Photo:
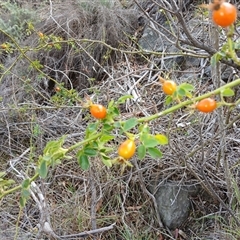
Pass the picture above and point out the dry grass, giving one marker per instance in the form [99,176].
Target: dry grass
[79,200]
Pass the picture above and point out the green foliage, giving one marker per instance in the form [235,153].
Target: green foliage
[25,192]
[54,150]
[227,92]
[184,90]
[7,47]
[148,140]
[36,130]
[65,97]
[98,142]
[53,153]
[141,151]
[51,41]
[4,183]
[154,152]
[130,124]
[83,160]
[16,20]
[228,50]
[150,143]
[36,65]
[162,139]
[43,169]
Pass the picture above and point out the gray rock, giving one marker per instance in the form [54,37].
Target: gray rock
[192,62]
[189,75]
[151,41]
[174,204]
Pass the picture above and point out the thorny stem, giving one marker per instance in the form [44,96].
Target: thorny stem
[140,120]
[95,136]
[188,102]
[14,189]
[9,191]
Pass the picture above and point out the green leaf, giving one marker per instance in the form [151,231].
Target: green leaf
[236,45]
[162,139]
[5,183]
[105,138]
[124,98]
[181,91]
[115,110]
[188,94]
[25,193]
[187,87]
[53,152]
[155,153]
[91,129]
[106,149]
[90,151]
[36,64]
[26,183]
[141,151]
[54,157]
[110,104]
[83,161]
[46,158]
[216,58]
[149,141]
[107,162]
[117,125]
[57,46]
[168,100]
[108,127]
[129,124]
[144,129]
[36,130]
[53,146]
[227,92]
[22,201]
[43,170]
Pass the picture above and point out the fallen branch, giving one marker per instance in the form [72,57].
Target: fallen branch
[88,233]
